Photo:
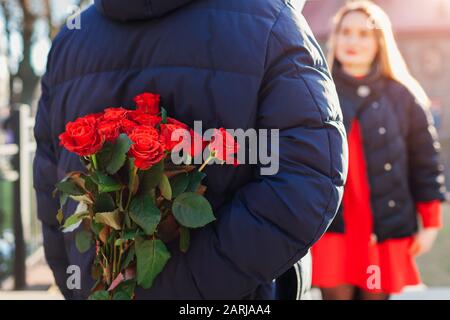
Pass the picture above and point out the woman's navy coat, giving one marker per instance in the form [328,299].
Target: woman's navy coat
[230,63]
[401,148]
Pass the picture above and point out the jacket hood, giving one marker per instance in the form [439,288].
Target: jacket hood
[129,10]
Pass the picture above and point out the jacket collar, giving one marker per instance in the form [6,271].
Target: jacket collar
[129,10]
[369,80]
[356,94]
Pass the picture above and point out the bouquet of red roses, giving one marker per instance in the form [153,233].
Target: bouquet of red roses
[133,199]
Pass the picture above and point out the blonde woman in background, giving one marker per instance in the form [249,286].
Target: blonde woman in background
[394,168]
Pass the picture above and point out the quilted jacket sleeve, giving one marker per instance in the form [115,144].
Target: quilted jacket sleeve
[427,179]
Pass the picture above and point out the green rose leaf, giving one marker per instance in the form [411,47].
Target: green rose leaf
[127,220]
[96,272]
[129,258]
[90,185]
[179,184]
[125,290]
[119,154]
[131,171]
[96,227]
[133,185]
[99,295]
[164,187]
[104,203]
[75,218]
[184,239]
[163,115]
[83,240]
[84,198]
[104,156]
[63,199]
[59,216]
[111,219]
[152,256]
[192,210]
[119,242]
[105,183]
[195,181]
[149,179]
[72,228]
[131,235]
[69,187]
[145,213]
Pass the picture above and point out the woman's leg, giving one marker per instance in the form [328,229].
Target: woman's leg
[364,295]
[343,292]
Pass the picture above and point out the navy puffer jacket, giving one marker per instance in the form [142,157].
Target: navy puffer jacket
[230,63]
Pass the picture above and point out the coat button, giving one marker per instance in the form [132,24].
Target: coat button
[373,238]
[391,203]
[363,91]
[382,130]
[436,145]
[387,167]
[375,105]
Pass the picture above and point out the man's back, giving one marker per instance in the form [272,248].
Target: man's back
[229,63]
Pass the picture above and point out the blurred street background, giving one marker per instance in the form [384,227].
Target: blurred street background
[26,28]
[422,30]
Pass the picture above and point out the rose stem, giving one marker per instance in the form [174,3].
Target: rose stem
[94,161]
[206,162]
[119,262]
[114,263]
[133,177]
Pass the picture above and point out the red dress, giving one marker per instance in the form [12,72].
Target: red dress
[354,257]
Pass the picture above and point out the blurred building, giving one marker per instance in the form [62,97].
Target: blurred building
[422,29]
[4,83]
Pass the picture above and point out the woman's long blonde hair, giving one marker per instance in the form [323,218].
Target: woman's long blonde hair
[390,59]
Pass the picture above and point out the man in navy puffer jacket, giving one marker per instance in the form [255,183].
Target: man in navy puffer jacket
[229,63]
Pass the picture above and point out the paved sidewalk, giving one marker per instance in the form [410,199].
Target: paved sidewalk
[430,293]
[40,282]
[30,295]
[421,292]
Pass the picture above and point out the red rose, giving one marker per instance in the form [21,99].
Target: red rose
[149,131]
[223,145]
[194,145]
[82,137]
[115,114]
[144,118]
[197,144]
[109,129]
[176,122]
[148,103]
[166,131]
[146,148]
[94,116]
[127,126]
